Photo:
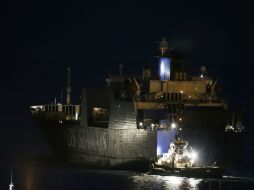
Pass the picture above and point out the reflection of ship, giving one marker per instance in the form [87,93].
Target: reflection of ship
[180,161]
[128,120]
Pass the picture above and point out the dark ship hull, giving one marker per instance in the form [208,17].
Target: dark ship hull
[69,145]
[209,138]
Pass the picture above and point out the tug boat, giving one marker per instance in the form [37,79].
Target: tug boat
[180,160]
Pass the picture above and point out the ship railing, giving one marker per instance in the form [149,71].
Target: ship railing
[181,100]
[69,110]
[206,101]
[144,99]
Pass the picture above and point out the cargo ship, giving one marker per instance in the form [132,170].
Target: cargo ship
[134,118]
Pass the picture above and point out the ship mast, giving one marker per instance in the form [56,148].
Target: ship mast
[68,88]
[163,46]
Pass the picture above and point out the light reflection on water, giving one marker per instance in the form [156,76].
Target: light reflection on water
[173,182]
[28,180]
[165,182]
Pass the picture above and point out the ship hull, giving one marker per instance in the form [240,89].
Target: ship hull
[99,147]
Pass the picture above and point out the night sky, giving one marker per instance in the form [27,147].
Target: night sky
[40,39]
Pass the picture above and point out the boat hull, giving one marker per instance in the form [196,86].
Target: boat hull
[197,172]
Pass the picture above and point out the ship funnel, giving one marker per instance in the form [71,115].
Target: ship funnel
[68,88]
[164,68]
[164,61]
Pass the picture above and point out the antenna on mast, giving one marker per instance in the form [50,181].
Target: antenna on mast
[163,46]
[69,76]
[68,88]
[61,96]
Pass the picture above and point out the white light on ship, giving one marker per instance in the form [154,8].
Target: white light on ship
[194,155]
[201,76]
[140,124]
[96,109]
[158,150]
[181,92]
[152,125]
[173,125]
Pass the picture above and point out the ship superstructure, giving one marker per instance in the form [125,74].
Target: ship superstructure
[129,119]
[173,98]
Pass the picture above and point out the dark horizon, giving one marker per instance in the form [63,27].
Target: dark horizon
[40,40]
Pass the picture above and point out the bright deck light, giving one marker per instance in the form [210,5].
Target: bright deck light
[159,150]
[194,155]
[164,68]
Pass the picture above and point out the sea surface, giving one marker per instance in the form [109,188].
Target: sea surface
[25,153]
[41,178]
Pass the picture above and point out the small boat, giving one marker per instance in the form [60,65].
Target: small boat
[180,161]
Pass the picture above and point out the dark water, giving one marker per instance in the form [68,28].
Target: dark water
[41,178]
[23,151]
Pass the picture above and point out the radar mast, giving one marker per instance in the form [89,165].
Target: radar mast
[68,88]
[163,46]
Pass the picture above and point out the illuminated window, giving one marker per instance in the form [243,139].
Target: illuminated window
[99,113]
